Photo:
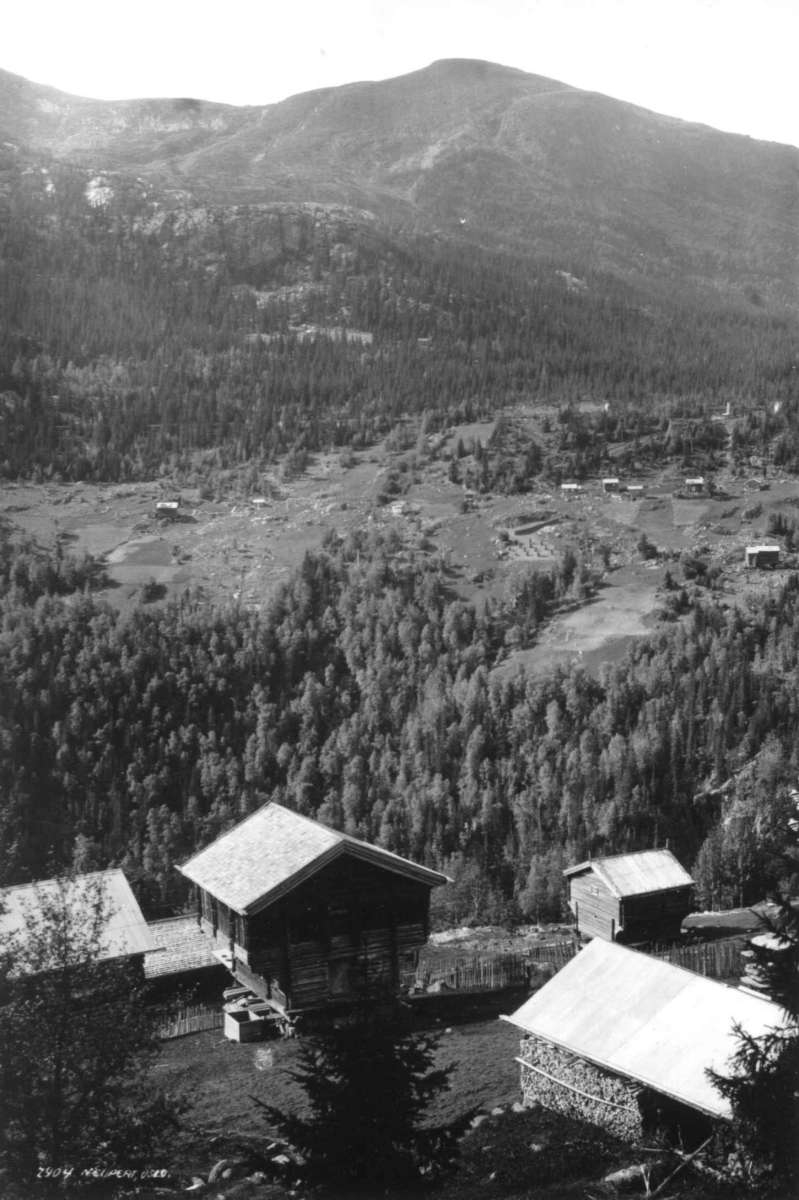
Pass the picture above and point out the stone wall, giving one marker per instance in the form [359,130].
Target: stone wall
[570,1085]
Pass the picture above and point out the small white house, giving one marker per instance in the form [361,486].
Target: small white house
[611,484]
[762,556]
[167,508]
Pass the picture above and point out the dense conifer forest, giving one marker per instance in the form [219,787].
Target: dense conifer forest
[364,694]
[137,328]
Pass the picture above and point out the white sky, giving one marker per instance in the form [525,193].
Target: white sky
[727,63]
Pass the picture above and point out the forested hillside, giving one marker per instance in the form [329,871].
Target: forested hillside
[136,330]
[364,695]
[187,291]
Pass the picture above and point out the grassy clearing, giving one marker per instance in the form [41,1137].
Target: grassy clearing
[239,551]
[505,1156]
[218,1077]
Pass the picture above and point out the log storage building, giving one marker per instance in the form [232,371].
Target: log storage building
[630,898]
[306,917]
[624,1040]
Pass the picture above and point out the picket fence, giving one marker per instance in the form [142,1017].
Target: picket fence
[716,960]
[489,971]
[193,1018]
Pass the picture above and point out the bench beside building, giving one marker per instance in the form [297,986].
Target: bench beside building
[307,917]
[642,897]
[625,1041]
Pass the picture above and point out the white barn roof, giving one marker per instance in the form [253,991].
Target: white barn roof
[273,850]
[647,1020]
[636,874]
[126,932]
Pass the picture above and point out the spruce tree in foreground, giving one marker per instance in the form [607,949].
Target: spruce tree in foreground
[763,1087]
[368,1085]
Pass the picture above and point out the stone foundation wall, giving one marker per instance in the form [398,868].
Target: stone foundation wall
[570,1085]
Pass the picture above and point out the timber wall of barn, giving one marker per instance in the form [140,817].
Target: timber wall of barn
[597,911]
[655,916]
[349,927]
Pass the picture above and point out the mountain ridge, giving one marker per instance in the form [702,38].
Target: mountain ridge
[465,149]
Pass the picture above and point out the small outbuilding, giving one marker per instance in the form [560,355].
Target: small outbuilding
[167,510]
[570,489]
[611,484]
[697,486]
[625,1041]
[307,917]
[762,556]
[630,898]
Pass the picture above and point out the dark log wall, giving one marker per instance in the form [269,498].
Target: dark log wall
[349,927]
[655,917]
[596,910]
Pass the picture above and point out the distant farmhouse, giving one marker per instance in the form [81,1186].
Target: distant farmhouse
[167,510]
[124,934]
[610,484]
[696,486]
[308,918]
[762,556]
[630,898]
[624,1040]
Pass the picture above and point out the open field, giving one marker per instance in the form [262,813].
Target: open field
[505,1155]
[220,1076]
[238,538]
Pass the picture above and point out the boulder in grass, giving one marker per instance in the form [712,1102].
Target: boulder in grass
[627,1179]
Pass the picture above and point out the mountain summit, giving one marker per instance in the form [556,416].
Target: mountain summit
[467,149]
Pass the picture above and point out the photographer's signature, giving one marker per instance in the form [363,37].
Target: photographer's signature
[67,1174]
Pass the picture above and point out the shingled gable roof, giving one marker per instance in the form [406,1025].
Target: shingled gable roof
[273,850]
[636,874]
[648,1020]
[125,931]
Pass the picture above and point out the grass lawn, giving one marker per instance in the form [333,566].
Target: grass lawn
[218,1077]
[507,1156]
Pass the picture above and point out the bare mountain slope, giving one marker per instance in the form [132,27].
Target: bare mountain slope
[467,149]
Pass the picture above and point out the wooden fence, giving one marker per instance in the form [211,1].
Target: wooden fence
[717,960]
[492,971]
[489,971]
[193,1018]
